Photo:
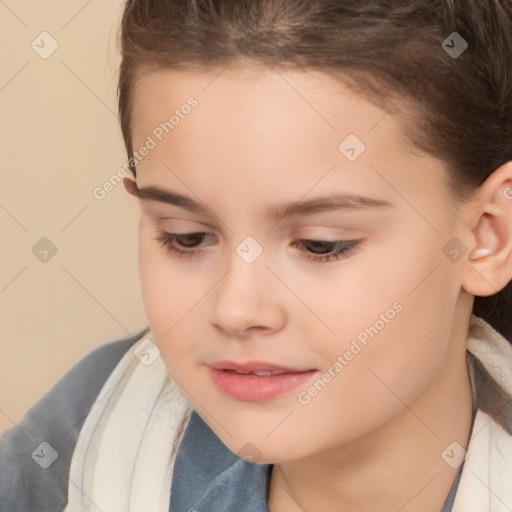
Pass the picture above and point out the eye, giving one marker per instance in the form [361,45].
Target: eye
[324,251]
[188,240]
[321,251]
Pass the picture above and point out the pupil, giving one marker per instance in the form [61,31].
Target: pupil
[195,237]
[320,244]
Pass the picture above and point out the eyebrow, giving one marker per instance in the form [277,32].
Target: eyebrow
[335,201]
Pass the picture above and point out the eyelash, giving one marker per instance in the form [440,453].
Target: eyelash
[346,247]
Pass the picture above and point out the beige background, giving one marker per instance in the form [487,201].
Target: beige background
[59,139]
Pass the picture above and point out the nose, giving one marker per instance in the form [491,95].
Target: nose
[248,300]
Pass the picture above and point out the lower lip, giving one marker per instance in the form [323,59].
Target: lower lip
[257,388]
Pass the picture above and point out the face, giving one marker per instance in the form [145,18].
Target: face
[355,301]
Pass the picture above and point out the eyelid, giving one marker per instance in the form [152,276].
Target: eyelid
[328,233]
[335,230]
[173,224]
[342,250]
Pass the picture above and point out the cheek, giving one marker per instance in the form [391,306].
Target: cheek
[393,366]
[392,321]
[156,287]
[173,295]
[410,349]
[167,294]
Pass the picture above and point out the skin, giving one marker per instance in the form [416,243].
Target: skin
[376,432]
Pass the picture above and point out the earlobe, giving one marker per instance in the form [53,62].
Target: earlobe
[489,267]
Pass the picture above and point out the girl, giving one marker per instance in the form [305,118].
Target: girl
[325,253]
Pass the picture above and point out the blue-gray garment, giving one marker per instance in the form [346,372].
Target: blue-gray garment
[208,477]
[56,419]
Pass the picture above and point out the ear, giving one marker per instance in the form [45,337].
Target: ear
[130,185]
[489,267]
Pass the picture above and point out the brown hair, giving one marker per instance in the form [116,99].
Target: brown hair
[403,55]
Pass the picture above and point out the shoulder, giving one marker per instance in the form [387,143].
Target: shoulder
[35,454]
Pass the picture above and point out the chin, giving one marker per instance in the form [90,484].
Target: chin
[255,454]
[260,451]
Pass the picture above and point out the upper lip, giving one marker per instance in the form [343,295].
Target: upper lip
[254,366]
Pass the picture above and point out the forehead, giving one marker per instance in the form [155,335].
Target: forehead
[262,112]
[257,92]
[282,128]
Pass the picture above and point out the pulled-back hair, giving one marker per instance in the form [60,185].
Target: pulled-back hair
[457,107]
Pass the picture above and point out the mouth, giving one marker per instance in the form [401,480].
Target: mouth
[255,367]
[262,373]
[256,381]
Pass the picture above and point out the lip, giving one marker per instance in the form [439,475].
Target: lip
[254,388]
[254,366]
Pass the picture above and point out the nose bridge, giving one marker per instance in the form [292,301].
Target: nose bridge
[247,262]
[243,281]
[245,297]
